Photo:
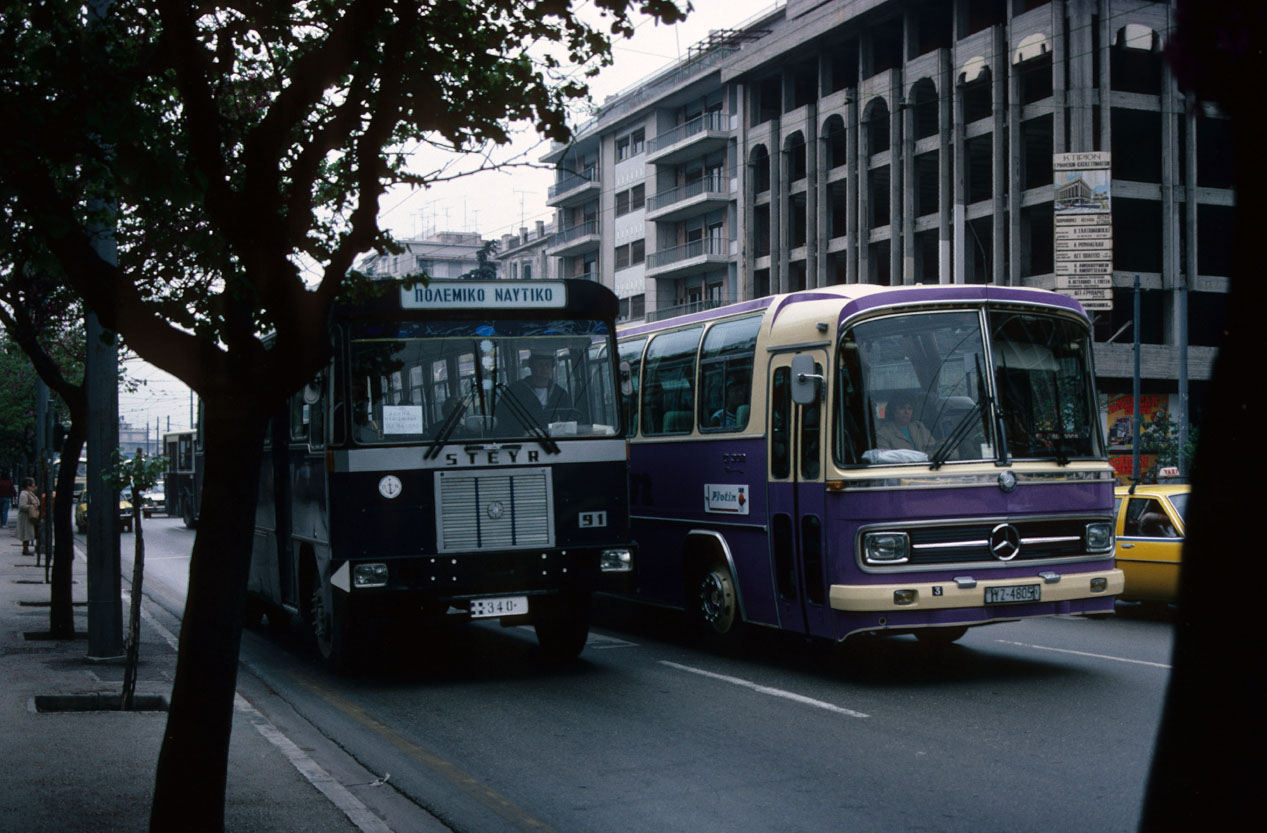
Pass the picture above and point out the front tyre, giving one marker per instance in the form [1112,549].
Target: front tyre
[562,627]
[715,607]
[330,616]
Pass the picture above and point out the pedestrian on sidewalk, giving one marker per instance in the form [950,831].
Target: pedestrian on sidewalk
[7,495]
[29,516]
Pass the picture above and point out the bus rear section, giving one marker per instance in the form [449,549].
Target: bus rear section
[462,457]
[916,460]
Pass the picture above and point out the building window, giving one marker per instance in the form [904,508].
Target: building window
[631,254]
[527,271]
[630,145]
[631,200]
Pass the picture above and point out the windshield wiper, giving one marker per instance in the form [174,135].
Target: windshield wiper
[449,425]
[526,419]
[942,454]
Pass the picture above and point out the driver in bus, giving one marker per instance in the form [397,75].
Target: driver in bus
[541,398]
[900,429]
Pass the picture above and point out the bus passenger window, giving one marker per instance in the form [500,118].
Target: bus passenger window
[726,374]
[671,373]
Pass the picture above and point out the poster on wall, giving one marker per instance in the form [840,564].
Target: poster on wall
[1120,434]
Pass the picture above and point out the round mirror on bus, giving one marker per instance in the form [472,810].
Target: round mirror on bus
[312,392]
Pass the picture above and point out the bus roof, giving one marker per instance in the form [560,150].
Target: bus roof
[853,299]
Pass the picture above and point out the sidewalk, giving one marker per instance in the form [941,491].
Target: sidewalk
[94,770]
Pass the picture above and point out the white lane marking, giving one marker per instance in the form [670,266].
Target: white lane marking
[339,796]
[1084,654]
[773,692]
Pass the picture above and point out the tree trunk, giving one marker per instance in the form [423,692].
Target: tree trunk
[192,766]
[61,611]
[133,640]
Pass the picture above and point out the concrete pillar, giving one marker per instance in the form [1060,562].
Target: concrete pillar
[897,166]
[1015,187]
[999,183]
[853,149]
[945,171]
[814,180]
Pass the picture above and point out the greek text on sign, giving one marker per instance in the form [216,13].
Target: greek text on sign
[1102,255]
[726,498]
[485,295]
[1064,267]
[1084,220]
[1084,232]
[1083,281]
[1088,161]
[1063,245]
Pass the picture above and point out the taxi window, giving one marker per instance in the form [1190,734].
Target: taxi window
[1147,518]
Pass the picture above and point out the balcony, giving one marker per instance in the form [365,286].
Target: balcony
[694,258]
[694,198]
[693,139]
[685,309]
[574,240]
[574,188]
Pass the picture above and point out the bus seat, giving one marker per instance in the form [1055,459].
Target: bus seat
[741,414]
[677,422]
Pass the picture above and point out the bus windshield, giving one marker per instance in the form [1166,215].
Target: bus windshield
[461,381]
[920,388]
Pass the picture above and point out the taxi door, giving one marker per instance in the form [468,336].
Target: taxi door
[797,496]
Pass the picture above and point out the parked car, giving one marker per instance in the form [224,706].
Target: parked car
[1150,534]
[81,513]
[154,500]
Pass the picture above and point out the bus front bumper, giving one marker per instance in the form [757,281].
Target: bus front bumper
[965,591]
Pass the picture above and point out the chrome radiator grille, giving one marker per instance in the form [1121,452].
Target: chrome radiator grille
[493,510]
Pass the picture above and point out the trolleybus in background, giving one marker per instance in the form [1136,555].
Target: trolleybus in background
[182,481]
[418,476]
[871,459]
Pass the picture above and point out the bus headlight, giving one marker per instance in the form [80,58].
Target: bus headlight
[886,547]
[615,561]
[1099,536]
[369,575]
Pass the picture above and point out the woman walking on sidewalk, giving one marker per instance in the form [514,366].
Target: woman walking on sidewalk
[28,516]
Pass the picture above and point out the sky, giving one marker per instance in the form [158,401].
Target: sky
[491,203]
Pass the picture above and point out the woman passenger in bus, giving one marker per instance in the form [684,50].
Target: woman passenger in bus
[736,397]
[900,429]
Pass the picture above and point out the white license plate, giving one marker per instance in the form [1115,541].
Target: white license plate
[504,606]
[1013,593]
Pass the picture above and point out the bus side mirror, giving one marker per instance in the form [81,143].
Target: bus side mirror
[626,379]
[805,381]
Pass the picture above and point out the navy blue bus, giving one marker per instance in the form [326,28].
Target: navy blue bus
[462,455]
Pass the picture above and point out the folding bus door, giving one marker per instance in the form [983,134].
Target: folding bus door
[797,499]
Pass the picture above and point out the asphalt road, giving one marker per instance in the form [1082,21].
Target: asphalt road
[1035,726]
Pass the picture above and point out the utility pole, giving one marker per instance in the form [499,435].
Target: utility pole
[101,375]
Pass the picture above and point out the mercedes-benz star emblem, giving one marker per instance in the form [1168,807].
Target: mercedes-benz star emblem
[495,509]
[1005,542]
[1007,481]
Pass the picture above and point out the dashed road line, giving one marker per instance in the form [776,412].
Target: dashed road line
[1084,654]
[773,692]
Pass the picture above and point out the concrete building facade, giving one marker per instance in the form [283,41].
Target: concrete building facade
[443,255]
[910,141]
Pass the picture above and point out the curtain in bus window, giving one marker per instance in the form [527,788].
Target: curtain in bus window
[910,389]
[1043,377]
[726,374]
[668,403]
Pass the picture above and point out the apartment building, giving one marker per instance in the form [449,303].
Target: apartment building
[912,141]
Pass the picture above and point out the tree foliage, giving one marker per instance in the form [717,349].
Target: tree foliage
[222,146]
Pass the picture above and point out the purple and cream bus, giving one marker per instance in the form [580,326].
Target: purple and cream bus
[871,459]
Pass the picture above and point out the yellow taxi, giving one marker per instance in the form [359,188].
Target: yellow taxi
[81,513]
[1150,524]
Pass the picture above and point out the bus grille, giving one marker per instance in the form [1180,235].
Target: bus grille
[1040,539]
[494,510]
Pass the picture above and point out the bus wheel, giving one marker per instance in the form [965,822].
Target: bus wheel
[937,637]
[563,628]
[332,627]
[187,512]
[715,603]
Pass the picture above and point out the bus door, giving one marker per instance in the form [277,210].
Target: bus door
[797,499]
